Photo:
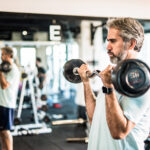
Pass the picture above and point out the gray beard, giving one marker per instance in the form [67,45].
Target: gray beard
[117,59]
[114,60]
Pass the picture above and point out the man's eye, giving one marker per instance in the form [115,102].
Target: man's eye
[113,40]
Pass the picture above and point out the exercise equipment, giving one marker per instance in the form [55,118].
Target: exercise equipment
[43,97]
[78,139]
[47,118]
[70,122]
[70,70]
[130,77]
[44,108]
[17,121]
[34,128]
[65,122]
[5,66]
[44,117]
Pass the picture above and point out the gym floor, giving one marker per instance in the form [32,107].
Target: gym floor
[56,140]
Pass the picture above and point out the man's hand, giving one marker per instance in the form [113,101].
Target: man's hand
[83,70]
[106,76]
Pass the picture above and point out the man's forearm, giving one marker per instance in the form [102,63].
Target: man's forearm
[117,122]
[89,100]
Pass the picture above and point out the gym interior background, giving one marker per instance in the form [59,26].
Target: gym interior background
[57,32]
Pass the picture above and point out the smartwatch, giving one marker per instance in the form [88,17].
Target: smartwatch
[107,90]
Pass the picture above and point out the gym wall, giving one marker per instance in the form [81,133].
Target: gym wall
[98,8]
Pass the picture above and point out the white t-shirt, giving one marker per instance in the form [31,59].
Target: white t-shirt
[8,96]
[80,95]
[135,109]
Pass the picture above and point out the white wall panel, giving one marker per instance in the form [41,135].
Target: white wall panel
[94,8]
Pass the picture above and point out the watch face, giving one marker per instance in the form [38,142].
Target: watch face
[107,90]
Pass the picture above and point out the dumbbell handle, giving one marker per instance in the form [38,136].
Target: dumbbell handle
[95,72]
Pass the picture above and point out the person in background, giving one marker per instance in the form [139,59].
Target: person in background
[41,73]
[9,83]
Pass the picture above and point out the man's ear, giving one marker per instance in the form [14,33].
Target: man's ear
[132,44]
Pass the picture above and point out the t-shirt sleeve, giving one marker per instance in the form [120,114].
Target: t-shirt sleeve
[13,76]
[134,108]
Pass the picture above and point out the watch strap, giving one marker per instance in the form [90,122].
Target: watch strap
[107,90]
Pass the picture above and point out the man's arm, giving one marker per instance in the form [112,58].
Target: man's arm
[90,100]
[88,93]
[3,82]
[118,124]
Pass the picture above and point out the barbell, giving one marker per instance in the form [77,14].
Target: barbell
[130,77]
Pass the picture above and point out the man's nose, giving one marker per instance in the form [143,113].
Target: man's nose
[109,47]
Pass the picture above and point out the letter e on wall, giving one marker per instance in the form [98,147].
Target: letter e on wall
[55,32]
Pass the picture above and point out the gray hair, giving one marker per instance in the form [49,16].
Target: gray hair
[129,29]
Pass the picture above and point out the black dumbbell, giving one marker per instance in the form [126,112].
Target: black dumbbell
[24,75]
[43,97]
[5,66]
[17,121]
[47,118]
[130,77]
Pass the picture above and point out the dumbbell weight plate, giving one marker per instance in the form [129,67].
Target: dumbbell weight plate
[131,77]
[17,121]
[5,66]
[24,75]
[69,70]
[135,78]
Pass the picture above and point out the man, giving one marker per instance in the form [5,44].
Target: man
[41,73]
[9,82]
[117,122]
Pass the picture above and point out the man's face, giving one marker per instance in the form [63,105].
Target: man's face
[4,56]
[117,48]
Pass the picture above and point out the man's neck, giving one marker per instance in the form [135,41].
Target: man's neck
[132,54]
